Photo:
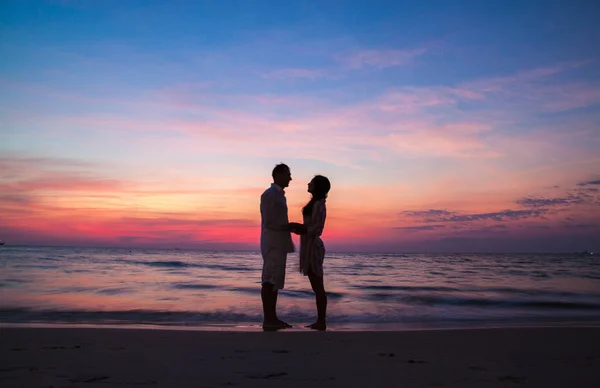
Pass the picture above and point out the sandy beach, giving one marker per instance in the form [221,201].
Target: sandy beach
[532,357]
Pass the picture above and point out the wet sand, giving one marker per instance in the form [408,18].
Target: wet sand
[101,357]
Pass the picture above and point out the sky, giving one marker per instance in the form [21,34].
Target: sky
[443,126]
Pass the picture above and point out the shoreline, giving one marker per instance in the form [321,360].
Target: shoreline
[534,357]
[256,327]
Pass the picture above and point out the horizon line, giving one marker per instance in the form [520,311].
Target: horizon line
[334,252]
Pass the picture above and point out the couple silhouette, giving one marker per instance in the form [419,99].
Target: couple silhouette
[276,242]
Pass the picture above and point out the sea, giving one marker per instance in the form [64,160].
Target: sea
[220,290]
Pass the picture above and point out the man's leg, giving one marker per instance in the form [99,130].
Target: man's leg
[267,291]
[269,298]
[273,278]
[269,301]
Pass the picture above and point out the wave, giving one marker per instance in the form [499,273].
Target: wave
[167,264]
[181,264]
[114,291]
[481,290]
[35,266]
[307,294]
[194,286]
[433,300]
[405,288]
[124,316]
[200,318]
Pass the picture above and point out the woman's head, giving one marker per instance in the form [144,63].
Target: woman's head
[319,187]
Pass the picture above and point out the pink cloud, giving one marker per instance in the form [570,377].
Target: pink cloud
[412,100]
[533,91]
[413,121]
[66,183]
[341,129]
[379,59]
[294,73]
[499,83]
[569,96]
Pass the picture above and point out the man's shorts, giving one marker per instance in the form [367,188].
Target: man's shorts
[273,271]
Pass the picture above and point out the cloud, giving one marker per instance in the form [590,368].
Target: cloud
[186,222]
[15,198]
[583,225]
[535,207]
[407,122]
[420,227]
[41,203]
[543,202]
[71,183]
[14,164]
[427,213]
[534,90]
[542,214]
[497,216]
[379,59]
[581,194]
[294,73]
[434,215]
[496,84]
[587,183]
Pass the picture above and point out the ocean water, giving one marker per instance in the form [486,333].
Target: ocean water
[367,291]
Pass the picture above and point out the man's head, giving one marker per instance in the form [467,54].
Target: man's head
[282,175]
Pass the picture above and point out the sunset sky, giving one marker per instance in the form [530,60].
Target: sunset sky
[444,126]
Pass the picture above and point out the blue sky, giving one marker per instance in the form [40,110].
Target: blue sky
[465,107]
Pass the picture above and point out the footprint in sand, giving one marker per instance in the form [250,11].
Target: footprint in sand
[88,379]
[267,376]
[514,379]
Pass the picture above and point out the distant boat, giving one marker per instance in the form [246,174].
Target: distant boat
[1,242]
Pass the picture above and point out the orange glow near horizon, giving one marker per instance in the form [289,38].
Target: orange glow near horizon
[365,216]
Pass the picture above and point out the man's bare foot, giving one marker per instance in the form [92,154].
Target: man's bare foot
[320,326]
[285,324]
[275,325]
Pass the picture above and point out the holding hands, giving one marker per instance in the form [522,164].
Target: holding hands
[297,228]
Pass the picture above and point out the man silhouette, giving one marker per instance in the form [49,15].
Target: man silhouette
[275,243]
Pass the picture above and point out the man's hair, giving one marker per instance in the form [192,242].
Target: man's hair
[280,168]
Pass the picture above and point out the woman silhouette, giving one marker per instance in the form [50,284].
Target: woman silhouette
[312,249]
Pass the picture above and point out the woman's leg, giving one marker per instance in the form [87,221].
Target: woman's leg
[318,287]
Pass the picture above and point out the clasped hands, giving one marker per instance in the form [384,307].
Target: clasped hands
[297,228]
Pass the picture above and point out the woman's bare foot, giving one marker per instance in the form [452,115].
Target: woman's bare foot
[320,326]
